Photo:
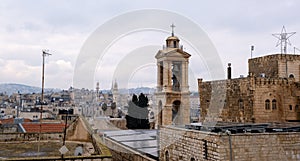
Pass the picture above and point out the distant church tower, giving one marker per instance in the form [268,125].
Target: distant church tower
[172,95]
[115,92]
[97,89]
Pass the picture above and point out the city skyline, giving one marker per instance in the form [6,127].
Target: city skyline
[29,27]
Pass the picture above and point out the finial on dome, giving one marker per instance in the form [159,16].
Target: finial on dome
[172,26]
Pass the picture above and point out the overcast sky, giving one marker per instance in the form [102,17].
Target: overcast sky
[62,27]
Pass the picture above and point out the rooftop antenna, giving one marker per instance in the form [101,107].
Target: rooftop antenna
[296,49]
[283,39]
[252,49]
[45,53]
[172,26]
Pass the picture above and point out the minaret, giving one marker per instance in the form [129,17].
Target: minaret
[97,89]
[172,93]
[115,92]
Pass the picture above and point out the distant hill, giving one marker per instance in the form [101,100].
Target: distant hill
[145,90]
[10,88]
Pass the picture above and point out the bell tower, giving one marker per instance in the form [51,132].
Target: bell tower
[172,94]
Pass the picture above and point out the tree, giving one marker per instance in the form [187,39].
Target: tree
[113,105]
[137,117]
[104,107]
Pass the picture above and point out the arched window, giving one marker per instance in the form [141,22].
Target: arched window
[160,116]
[175,110]
[241,104]
[193,159]
[267,104]
[274,107]
[167,157]
[297,108]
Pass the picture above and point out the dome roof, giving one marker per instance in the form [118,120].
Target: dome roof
[172,38]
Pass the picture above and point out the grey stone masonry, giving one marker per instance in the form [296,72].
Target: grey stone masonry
[183,144]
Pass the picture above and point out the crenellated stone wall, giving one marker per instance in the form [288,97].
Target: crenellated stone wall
[276,66]
[183,144]
[244,99]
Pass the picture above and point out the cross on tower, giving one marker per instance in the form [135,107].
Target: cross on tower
[283,39]
[172,26]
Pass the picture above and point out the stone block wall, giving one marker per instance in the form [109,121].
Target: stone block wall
[182,144]
[244,100]
[29,136]
[226,100]
[276,66]
[78,130]
[118,123]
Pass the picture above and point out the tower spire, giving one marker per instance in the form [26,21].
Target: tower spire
[172,26]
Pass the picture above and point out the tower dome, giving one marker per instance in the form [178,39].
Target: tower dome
[172,41]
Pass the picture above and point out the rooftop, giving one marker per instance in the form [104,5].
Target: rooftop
[44,127]
[143,141]
[246,127]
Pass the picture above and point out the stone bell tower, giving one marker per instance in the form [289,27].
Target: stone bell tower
[172,95]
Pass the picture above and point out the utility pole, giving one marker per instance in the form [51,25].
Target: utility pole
[45,53]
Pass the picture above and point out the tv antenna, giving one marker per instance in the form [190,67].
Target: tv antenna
[283,39]
[296,49]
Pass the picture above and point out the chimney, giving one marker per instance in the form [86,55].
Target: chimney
[229,71]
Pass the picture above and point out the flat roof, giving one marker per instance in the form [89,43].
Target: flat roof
[245,127]
[144,141]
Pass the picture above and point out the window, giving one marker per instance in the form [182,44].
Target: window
[267,104]
[296,108]
[291,107]
[274,104]
[167,157]
[193,159]
[161,73]
[241,104]
[205,150]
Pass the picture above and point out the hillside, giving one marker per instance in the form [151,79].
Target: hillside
[10,88]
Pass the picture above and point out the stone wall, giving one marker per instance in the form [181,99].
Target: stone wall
[244,100]
[182,144]
[118,123]
[12,128]
[226,100]
[29,136]
[78,131]
[121,152]
[276,66]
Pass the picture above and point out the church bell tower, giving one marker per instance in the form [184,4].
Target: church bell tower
[172,94]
